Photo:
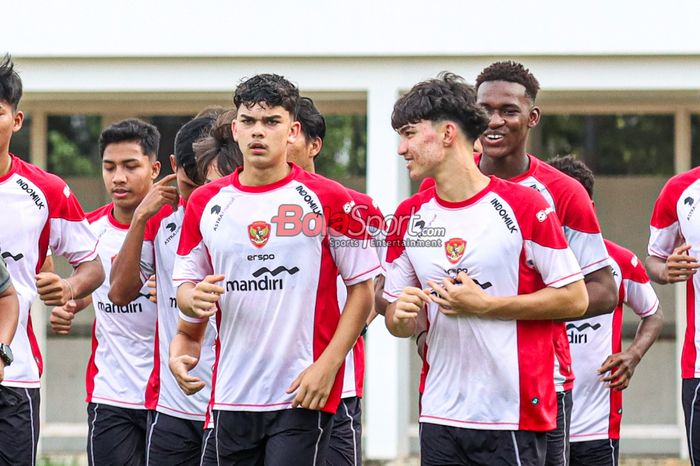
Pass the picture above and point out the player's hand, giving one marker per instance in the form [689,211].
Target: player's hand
[52,290]
[464,297]
[313,385]
[152,289]
[160,194]
[180,366]
[62,317]
[202,299]
[410,302]
[620,368]
[680,266]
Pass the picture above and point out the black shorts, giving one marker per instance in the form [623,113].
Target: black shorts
[595,453]
[116,436]
[558,439]
[19,425]
[454,446]
[345,447]
[172,440]
[272,438]
[691,410]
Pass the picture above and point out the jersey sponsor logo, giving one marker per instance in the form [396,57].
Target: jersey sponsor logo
[576,332]
[130,308]
[315,208]
[259,233]
[215,209]
[32,194]
[66,191]
[172,227]
[268,282]
[634,261]
[503,213]
[454,249]
[261,257]
[219,211]
[454,272]
[347,208]
[688,200]
[14,257]
[173,302]
[542,214]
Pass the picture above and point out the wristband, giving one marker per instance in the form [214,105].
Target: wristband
[70,288]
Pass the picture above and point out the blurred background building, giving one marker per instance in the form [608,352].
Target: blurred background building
[620,88]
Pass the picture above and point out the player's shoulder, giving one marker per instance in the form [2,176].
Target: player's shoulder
[675,186]
[100,212]
[331,193]
[625,259]
[413,203]
[519,197]
[50,184]
[557,182]
[202,194]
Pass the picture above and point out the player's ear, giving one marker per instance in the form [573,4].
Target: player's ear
[294,131]
[533,117]
[173,164]
[155,170]
[449,133]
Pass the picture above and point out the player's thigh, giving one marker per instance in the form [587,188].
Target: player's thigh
[595,453]
[558,439]
[237,438]
[298,436]
[173,440]
[19,425]
[116,436]
[345,446]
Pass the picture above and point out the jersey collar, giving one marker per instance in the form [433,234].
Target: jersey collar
[264,188]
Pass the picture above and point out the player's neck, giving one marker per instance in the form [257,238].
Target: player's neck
[252,176]
[122,215]
[506,167]
[5,163]
[458,178]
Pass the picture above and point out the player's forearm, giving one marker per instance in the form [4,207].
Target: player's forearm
[402,328]
[380,304]
[549,303]
[125,277]
[602,293]
[648,331]
[9,315]
[656,268]
[352,321]
[188,340]
[87,277]
[184,298]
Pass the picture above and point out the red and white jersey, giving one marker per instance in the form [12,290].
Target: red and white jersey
[673,222]
[279,311]
[158,253]
[484,373]
[582,230]
[367,210]
[122,336]
[597,410]
[39,211]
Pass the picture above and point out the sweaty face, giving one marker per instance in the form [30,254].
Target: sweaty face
[10,123]
[511,115]
[263,133]
[128,173]
[421,146]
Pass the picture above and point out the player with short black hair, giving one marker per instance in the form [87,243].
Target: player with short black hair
[602,368]
[512,72]
[497,274]
[216,153]
[119,392]
[45,214]
[276,238]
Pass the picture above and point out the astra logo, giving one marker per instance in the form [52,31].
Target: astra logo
[14,257]
[33,194]
[575,332]
[688,201]
[263,280]
[171,226]
[501,210]
[215,210]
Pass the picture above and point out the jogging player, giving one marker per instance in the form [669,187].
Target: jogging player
[345,447]
[275,237]
[602,368]
[41,212]
[674,245]
[176,427]
[500,272]
[118,372]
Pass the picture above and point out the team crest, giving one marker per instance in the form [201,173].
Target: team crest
[454,249]
[259,233]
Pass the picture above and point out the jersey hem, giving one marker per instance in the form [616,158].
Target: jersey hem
[117,403]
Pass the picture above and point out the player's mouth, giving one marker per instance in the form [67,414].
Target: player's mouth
[493,138]
[257,148]
[120,193]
